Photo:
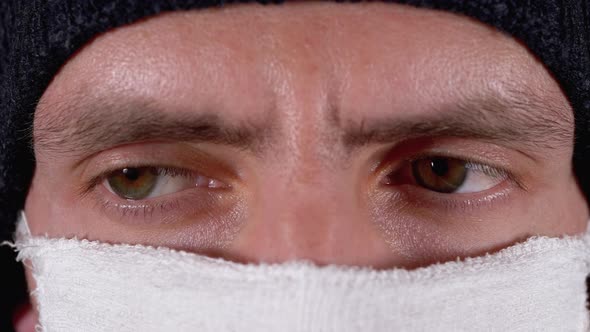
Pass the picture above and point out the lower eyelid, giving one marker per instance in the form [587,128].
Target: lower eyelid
[456,202]
[160,210]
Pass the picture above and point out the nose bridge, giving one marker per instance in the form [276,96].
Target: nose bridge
[298,222]
[306,205]
[310,221]
[300,212]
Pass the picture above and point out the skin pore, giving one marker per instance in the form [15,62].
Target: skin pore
[318,131]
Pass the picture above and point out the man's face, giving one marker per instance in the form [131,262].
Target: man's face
[365,134]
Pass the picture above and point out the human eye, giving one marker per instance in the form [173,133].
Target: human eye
[144,193]
[448,175]
[454,180]
[141,183]
[156,183]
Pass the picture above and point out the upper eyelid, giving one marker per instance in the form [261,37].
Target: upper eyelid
[486,169]
[507,173]
[381,171]
[468,160]
[203,160]
[390,166]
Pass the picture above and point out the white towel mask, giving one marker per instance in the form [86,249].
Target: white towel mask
[538,285]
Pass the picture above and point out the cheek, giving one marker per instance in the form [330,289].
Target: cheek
[50,207]
[562,210]
[42,207]
[424,233]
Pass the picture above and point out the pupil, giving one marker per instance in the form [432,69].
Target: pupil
[440,167]
[131,174]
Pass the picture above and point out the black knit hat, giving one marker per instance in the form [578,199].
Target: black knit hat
[38,36]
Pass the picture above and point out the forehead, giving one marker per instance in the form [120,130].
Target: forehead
[367,56]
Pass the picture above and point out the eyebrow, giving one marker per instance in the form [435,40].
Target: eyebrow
[90,127]
[87,127]
[509,122]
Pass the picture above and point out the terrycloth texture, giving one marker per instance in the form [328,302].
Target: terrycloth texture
[538,285]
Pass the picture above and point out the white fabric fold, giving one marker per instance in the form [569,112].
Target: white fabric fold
[91,286]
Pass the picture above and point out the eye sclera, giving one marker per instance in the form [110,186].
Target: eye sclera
[187,205]
[196,203]
[174,156]
[405,174]
[194,180]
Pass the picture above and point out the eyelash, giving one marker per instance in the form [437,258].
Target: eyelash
[492,171]
[142,210]
[145,209]
[161,170]
[453,202]
[472,164]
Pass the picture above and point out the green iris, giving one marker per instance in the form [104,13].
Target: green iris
[443,175]
[134,183]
